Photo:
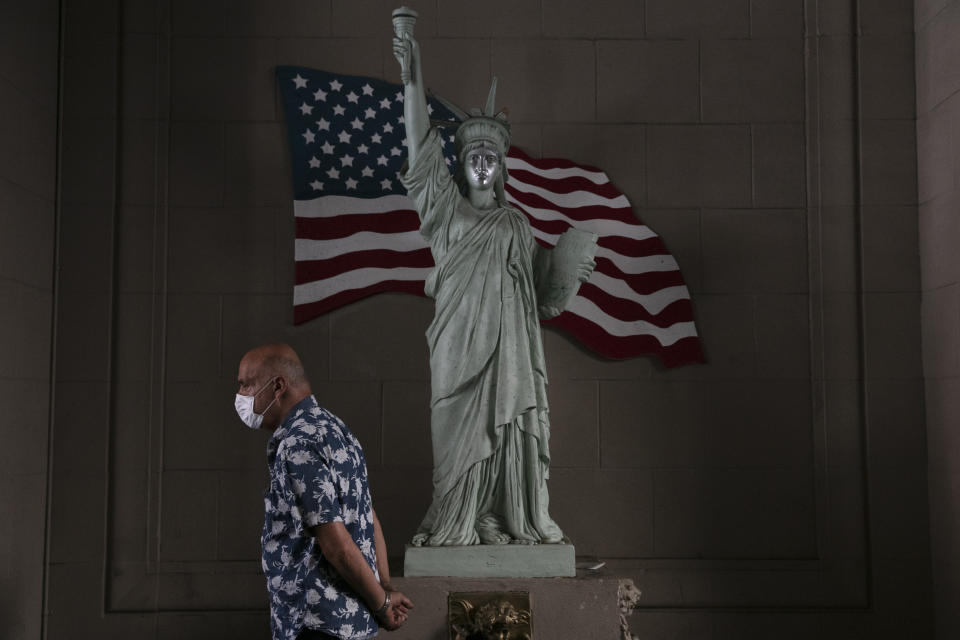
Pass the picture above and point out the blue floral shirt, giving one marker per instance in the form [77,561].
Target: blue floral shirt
[317,475]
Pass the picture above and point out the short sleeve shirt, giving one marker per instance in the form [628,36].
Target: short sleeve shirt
[318,475]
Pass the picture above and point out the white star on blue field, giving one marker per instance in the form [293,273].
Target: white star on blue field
[346,133]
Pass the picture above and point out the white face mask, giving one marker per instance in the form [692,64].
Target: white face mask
[244,406]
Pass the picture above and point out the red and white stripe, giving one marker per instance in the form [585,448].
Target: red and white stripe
[634,303]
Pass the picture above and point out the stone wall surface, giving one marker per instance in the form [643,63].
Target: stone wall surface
[28,169]
[938,169]
[779,490]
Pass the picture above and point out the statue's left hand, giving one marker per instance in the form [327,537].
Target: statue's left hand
[586,269]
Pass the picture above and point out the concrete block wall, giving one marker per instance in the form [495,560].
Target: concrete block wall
[938,169]
[771,149]
[28,170]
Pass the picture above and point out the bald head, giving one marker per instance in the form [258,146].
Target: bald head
[276,371]
[277,360]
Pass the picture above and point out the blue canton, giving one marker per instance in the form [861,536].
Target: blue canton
[318,474]
[347,135]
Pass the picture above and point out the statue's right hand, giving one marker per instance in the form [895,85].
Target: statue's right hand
[405,50]
[400,48]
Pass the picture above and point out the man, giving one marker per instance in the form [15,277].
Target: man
[324,554]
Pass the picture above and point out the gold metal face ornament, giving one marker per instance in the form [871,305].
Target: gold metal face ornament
[490,616]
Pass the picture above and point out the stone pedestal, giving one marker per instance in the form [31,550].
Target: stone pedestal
[491,561]
[579,607]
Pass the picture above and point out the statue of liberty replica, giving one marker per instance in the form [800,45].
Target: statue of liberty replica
[491,284]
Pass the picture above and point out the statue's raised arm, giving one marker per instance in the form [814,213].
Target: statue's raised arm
[407,51]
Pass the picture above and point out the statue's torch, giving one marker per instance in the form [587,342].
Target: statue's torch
[404,19]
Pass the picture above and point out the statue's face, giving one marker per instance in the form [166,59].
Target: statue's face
[481,166]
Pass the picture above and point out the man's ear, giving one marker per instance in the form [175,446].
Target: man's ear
[280,384]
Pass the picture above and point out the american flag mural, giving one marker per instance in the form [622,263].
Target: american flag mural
[357,233]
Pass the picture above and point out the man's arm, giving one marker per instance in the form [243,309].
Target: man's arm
[342,552]
[380,544]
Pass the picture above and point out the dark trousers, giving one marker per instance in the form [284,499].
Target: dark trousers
[313,634]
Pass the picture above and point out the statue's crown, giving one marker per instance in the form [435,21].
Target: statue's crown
[481,126]
[494,131]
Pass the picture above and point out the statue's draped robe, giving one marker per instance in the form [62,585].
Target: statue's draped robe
[489,419]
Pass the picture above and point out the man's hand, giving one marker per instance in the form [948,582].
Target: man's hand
[397,613]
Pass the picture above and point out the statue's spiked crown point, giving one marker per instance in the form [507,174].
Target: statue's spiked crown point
[491,96]
[481,125]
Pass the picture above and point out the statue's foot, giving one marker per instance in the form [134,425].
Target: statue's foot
[523,541]
[490,528]
[419,539]
[492,536]
[551,533]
